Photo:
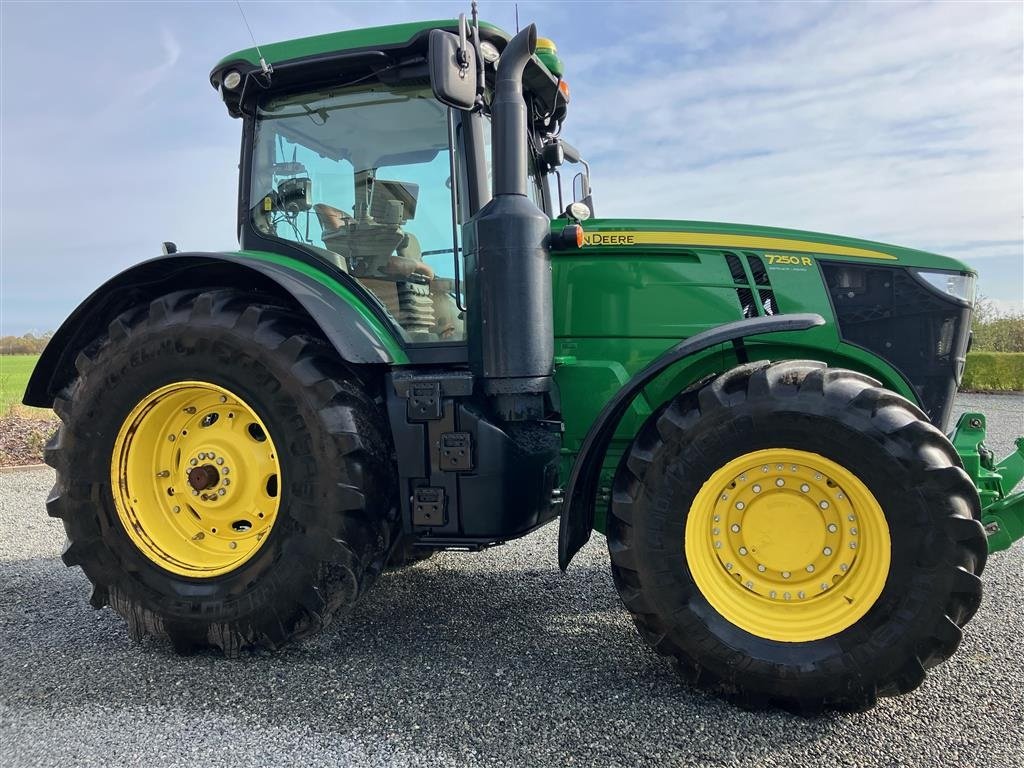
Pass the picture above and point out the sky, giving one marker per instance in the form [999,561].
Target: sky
[898,122]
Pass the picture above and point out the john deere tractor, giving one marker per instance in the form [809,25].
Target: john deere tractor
[428,340]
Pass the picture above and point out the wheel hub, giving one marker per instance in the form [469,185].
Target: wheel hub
[195,478]
[201,478]
[788,544]
[786,531]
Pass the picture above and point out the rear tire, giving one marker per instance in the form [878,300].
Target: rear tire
[844,419]
[336,516]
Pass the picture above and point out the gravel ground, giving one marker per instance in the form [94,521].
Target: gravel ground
[489,659]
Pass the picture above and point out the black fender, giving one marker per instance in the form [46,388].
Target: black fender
[352,335]
[577,519]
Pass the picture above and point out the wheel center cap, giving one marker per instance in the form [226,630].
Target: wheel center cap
[201,478]
[784,531]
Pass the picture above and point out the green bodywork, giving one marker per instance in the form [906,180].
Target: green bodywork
[1002,509]
[639,286]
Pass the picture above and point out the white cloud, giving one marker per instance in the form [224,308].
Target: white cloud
[891,122]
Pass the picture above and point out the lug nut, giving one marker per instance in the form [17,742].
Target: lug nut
[844,567]
[805,488]
[740,505]
[193,462]
[221,492]
[172,438]
[780,482]
[827,551]
[832,527]
[718,545]
[756,489]
[743,550]
[773,594]
[853,531]
[728,566]
[735,528]
[176,509]
[801,594]
[810,568]
[220,461]
[761,568]
[786,596]
[786,574]
[233,544]
[823,504]
[824,586]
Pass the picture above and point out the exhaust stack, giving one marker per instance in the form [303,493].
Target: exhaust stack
[508,259]
[508,115]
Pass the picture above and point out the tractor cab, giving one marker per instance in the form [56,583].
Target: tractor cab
[353,158]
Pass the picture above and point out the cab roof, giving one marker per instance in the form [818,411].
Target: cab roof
[391,36]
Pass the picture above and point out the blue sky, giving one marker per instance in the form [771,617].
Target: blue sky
[900,122]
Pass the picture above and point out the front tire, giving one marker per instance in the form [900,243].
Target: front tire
[796,535]
[175,396]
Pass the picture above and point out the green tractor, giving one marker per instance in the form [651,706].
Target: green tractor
[428,341]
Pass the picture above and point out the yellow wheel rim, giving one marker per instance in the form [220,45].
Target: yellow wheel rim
[196,479]
[788,545]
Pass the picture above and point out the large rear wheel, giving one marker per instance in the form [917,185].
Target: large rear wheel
[223,478]
[796,535]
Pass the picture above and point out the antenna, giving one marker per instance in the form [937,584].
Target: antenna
[517,18]
[267,69]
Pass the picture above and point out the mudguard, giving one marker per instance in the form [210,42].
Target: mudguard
[577,518]
[335,302]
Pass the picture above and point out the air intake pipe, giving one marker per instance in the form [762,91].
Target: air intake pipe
[508,261]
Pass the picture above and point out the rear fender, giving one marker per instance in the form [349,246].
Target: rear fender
[334,302]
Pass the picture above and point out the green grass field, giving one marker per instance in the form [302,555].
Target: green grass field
[14,373]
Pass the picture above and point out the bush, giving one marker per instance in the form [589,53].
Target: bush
[994,372]
[995,332]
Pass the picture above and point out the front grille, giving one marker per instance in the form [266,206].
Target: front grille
[892,313]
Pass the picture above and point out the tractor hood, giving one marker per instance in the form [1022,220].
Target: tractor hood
[660,234]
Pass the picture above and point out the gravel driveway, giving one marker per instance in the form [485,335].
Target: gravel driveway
[488,659]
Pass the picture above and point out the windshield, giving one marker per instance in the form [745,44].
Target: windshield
[362,178]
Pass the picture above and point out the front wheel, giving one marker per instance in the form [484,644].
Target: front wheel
[796,535]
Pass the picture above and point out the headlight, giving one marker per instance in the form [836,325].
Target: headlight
[231,80]
[959,285]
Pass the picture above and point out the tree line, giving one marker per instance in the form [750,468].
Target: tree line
[29,344]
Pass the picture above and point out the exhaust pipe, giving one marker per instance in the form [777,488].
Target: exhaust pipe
[508,115]
[508,260]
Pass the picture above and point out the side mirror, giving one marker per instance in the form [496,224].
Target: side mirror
[453,68]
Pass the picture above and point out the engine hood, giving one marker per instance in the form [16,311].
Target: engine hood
[662,234]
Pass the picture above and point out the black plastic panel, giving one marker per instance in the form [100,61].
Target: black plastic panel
[888,311]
